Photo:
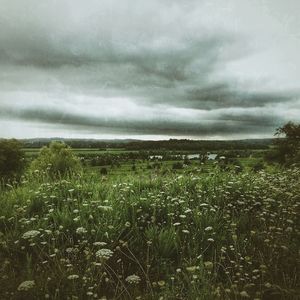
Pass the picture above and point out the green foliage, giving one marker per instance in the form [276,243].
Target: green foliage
[193,235]
[165,241]
[177,165]
[258,166]
[11,159]
[288,144]
[56,159]
[103,171]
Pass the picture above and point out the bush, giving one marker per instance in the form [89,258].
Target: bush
[57,159]
[11,159]
[177,166]
[258,166]
[103,171]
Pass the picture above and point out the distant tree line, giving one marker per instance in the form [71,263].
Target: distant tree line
[191,145]
[57,158]
[171,145]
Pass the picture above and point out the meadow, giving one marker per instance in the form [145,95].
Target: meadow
[200,231]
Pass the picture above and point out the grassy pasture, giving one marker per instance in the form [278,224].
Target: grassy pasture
[187,234]
[201,231]
[126,165]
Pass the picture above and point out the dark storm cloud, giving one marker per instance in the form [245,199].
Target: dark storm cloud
[224,95]
[60,58]
[216,124]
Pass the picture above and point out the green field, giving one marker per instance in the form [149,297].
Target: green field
[124,167]
[200,231]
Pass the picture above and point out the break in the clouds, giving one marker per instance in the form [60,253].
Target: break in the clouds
[148,69]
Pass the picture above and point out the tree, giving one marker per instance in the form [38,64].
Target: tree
[12,159]
[288,143]
[57,159]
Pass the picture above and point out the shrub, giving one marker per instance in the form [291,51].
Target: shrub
[258,166]
[103,171]
[177,166]
[11,159]
[238,167]
[56,159]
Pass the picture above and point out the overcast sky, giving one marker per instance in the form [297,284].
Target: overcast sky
[148,69]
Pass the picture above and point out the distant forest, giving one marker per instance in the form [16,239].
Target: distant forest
[172,144]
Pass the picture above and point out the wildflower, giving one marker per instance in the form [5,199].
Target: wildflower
[208,265]
[244,294]
[133,279]
[209,228]
[268,285]
[69,250]
[100,244]
[26,285]
[104,254]
[105,208]
[73,277]
[161,283]
[191,269]
[30,234]
[81,230]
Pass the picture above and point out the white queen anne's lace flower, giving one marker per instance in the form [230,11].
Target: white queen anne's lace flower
[100,244]
[104,253]
[81,230]
[73,277]
[133,279]
[30,234]
[26,285]
[105,208]
[209,228]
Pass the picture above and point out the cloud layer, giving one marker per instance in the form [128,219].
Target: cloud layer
[147,69]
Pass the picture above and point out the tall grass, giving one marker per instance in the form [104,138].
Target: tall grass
[188,236]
